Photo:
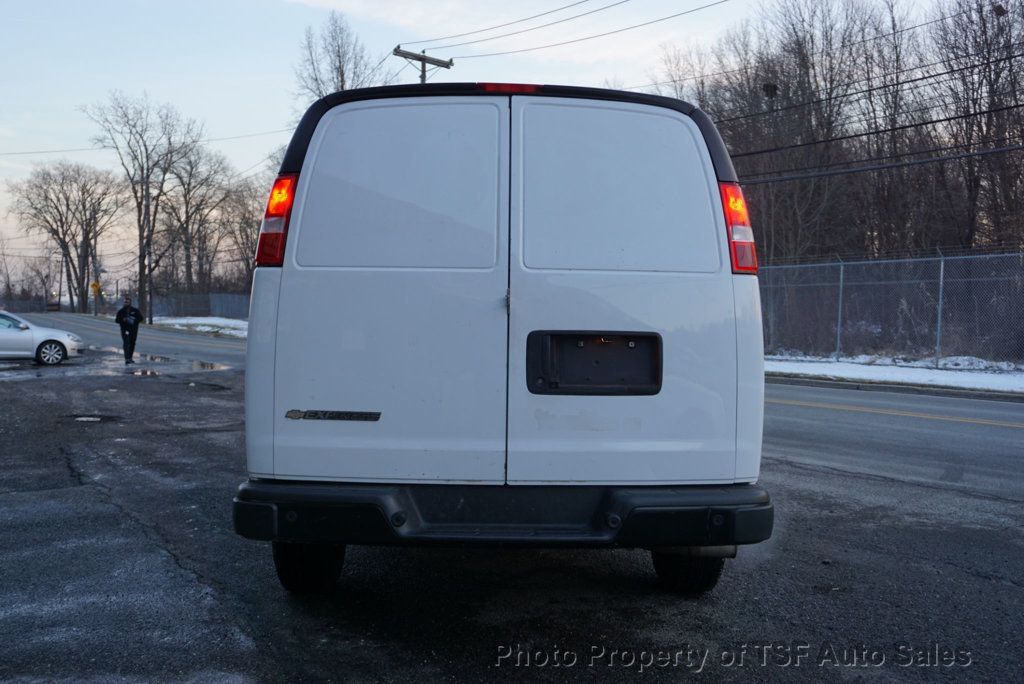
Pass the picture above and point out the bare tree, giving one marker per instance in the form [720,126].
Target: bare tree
[71,205]
[22,276]
[334,59]
[39,275]
[149,141]
[979,42]
[44,204]
[242,216]
[101,197]
[820,87]
[199,192]
[682,74]
[893,207]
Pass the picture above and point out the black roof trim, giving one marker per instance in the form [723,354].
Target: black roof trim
[296,153]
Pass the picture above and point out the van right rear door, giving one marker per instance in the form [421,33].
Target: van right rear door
[622,337]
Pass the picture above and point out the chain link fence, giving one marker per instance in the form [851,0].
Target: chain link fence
[224,305]
[925,308]
[902,308]
[23,304]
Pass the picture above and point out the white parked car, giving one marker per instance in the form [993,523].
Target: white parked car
[507,315]
[20,339]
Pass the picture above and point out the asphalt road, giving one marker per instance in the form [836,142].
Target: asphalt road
[102,332]
[898,536]
[974,446]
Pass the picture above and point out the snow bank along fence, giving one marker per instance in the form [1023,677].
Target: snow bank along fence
[910,308]
[225,305]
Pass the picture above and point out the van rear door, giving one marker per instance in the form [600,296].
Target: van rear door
[392,332]
[622,339]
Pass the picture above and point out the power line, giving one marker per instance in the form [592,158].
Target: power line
[262,161]
[248,135]
[91,149]
[934,101]
[14,238]
[919,80]
[882,167]
[897,72]
[532,28]
[598,35]
[46,244]
[491,28]
[930,150]
[937,101]
[382,60]
[870,90]
[862,134]
[23,248]
[815,54]
[54,257]
[70,149]
[404,67]
[430,74]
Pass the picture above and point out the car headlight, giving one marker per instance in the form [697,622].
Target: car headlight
[75,338]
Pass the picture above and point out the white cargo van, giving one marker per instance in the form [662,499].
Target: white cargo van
[508,315]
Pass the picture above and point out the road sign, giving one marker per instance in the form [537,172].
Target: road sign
[95,287]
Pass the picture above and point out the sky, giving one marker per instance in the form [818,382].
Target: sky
[230,64]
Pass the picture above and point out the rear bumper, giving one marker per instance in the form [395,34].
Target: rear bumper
[493,514]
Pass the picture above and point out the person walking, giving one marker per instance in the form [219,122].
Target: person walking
[128,317]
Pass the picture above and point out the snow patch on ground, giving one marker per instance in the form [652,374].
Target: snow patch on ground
[216,325]
[964,372]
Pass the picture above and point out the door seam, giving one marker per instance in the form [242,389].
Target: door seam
[508,288]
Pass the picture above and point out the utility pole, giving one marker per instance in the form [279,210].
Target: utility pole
[424,60]
[60,282]
[95,286]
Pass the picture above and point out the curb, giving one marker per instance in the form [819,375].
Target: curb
[871,386]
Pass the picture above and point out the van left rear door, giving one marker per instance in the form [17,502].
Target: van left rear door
[392,328]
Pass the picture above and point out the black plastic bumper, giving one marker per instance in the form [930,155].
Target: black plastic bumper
[495,514]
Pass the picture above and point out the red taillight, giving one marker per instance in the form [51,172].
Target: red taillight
[737,225]
[274,229]
[509,88]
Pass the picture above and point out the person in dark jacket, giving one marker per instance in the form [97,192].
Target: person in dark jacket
[128,317]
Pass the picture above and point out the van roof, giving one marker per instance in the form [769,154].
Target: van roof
[296,153]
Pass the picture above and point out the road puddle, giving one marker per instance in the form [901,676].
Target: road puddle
[107,362]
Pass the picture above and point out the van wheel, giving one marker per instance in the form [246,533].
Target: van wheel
[50,353]
[687,575]
[308,568]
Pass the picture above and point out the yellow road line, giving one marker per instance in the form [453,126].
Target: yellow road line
[891,412]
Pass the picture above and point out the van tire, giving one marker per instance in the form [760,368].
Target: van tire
[308,568]
[685,575]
